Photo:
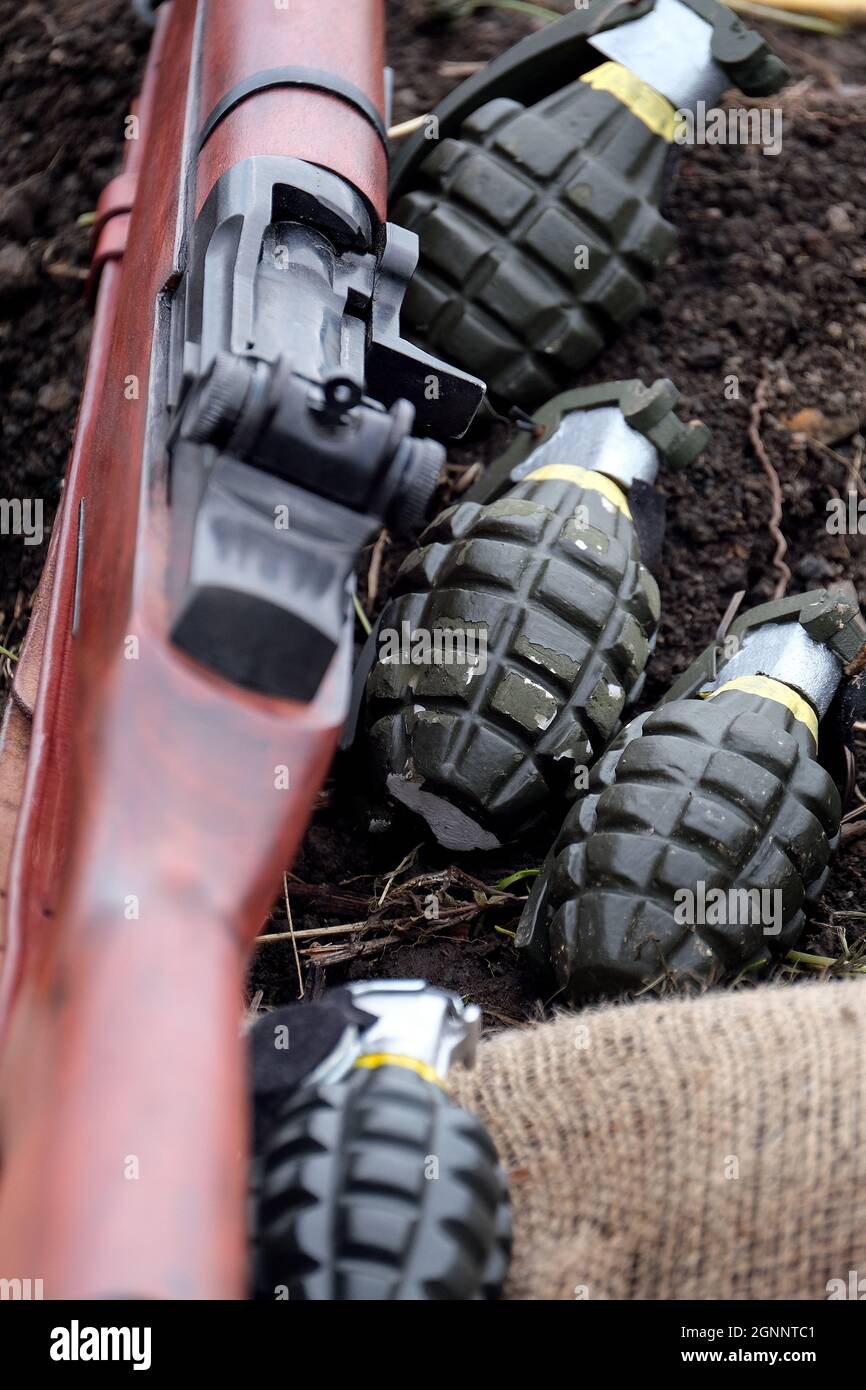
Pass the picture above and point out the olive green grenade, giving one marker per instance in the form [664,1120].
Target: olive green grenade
[519,630]
[372,1183]
[535,187]
[710,822]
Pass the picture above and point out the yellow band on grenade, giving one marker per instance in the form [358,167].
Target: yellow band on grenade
[774,690]
[583,477]
[372,1060]
[641,99]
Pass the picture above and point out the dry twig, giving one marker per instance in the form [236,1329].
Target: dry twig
[375,570]
[756,414]
[292,934]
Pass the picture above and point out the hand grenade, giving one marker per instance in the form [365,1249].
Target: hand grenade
[535,187]
[372,1184]
[710,822]
[539,611]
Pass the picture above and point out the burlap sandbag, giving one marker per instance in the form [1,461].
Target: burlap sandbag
[709,1148]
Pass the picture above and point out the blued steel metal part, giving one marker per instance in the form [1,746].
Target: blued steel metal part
[535,188]
[716,796]
[545,616]
[148,847]
[146,10]
[371,1183]
[279,330]
[314,79]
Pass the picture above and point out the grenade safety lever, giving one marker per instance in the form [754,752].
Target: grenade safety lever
[539,613]
[371,1183]
[709,824]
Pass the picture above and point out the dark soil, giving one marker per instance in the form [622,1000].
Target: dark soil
[768,287]
[65,86]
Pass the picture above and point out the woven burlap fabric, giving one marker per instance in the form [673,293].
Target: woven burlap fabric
[709,1148]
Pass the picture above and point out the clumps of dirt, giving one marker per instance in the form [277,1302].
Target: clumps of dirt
[768,286]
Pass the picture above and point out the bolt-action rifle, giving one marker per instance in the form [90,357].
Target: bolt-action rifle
[251,417]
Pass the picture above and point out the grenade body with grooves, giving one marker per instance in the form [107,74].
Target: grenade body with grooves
[501,217]
[349,1208]
[539,219]
[551,576]
[698,795]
